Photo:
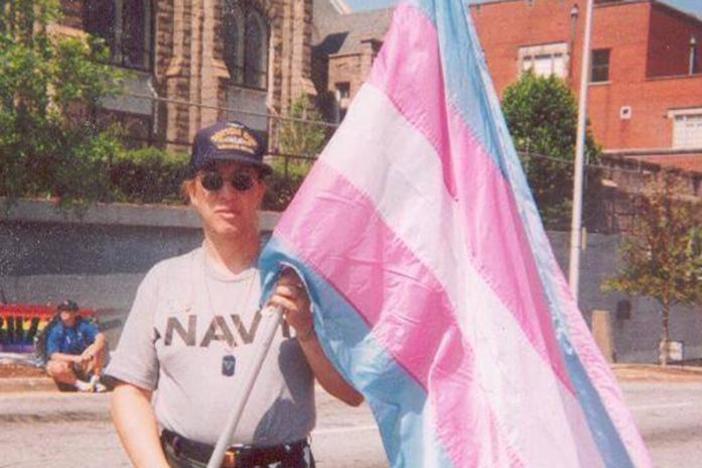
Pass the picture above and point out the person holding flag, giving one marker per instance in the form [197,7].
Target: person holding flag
[193,326]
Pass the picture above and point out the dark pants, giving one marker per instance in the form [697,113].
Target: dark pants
[299,458]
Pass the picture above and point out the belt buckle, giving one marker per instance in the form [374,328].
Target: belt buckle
[229,460]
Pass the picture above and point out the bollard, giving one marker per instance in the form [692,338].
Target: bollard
[602,332]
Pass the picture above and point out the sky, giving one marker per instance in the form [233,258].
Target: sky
[690,6]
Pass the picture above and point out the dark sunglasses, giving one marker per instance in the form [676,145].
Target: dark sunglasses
[213,181]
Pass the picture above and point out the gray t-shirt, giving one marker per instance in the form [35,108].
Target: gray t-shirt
[190,335]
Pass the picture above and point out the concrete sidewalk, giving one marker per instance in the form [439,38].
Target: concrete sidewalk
[656,373]
[16,379]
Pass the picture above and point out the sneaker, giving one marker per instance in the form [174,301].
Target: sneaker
[98,387]
[83,386]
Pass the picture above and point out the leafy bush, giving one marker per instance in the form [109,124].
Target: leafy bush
[301,142]
[148,175]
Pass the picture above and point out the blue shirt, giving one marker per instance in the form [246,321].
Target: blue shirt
[70,340]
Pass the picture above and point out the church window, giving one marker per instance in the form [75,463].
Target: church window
[245,44]
[126,28]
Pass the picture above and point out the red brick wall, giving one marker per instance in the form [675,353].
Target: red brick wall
[669,36]
[650,101]
[505,27]
[622,28]
[636,33]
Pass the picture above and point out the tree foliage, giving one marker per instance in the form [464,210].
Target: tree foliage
[303,136]
[50,86]
[662,255]
[542,117]
[301,141]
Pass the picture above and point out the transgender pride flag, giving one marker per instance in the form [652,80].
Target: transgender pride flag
[434,287]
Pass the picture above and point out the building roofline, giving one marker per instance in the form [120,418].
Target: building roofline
[606,5]
[341,7]
[597,5]
[677,11]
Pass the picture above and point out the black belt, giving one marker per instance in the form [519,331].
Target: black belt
[245,456]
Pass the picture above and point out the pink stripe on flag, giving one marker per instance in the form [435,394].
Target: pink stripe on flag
[410,75]
[500,247]
[450,381]
[404,304]
[412,79]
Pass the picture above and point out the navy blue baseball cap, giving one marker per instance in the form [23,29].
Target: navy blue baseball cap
[68,306]
[227,141]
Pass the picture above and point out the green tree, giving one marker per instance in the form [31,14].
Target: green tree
[661,254]
[303,135]
[542,117]
[301,139]
[50,86]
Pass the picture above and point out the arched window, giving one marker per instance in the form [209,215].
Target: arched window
[234,40]
[125,25]
[245,44]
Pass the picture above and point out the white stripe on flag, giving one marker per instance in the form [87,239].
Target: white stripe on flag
[390,161]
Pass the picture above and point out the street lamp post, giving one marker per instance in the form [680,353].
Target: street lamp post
[576,222]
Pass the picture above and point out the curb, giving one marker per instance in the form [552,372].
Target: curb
[654,372]
[623,372]
[655,367]
[27,384]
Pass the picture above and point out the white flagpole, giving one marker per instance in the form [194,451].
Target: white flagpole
[272,317]
[576,222]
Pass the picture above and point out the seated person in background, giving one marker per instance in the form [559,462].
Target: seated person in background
[76,351]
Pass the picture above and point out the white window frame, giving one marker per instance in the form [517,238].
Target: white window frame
[342,95]
[554,55]
[687,128]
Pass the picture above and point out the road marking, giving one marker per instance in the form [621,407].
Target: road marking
[661,406]
[344,430]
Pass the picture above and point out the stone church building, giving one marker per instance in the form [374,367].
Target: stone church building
[193,62]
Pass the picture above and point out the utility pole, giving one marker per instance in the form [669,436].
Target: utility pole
[576,223]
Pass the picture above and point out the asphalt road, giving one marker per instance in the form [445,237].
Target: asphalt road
[70,430]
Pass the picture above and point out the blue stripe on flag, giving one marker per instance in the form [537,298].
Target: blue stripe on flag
[462,59]
[613,452]
[469,88]
[398,402]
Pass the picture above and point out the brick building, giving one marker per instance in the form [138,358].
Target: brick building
[344,45]
[645,99]
[206,59]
